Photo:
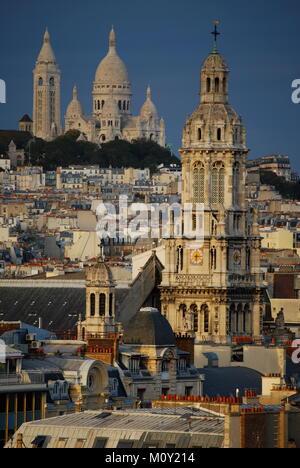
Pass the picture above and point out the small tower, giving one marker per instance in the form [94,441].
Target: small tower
[26,124]
[100,303]
[46,93]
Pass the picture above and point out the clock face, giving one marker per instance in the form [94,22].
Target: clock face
[197,257]
[237,257]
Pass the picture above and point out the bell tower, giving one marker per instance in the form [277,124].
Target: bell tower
[100,303]
[46,93]
[212,288]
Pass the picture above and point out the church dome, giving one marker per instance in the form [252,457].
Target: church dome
[149,327]
[148,108]
[99,274]
[112,70]
[215,63]
[74,109]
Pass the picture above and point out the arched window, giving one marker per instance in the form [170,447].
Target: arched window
[248,258]
[217,85]
[236,183]
[51,82]
[41,81]
[182,309]
[120,105]
[205,311]
[208,85]
[93,305]
[213,258]
[179,259]
[102,305]
[199,183]
[98,105]
[124,105]
[219,134]
[111,305]
[102,104]
[218,183]
[194,310]
[221,185]
[199,134]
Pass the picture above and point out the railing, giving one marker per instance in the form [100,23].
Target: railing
[10,379]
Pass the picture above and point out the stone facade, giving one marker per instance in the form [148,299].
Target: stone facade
[213,288]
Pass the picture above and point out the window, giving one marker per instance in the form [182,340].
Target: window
[102,305]
[80,443]
[219,134]
[218,183]
[188,391]
[199,183]
[93,304]
[100,443]
[125,444]
[208,85]
[199,134]
[41,81]
[111,302]
[205,311]
[165,366]
[38,442]
[61,443]
[51,82]
[217,85]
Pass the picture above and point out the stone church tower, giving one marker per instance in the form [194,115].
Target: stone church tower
[212,288]
[100,303]
[46,93]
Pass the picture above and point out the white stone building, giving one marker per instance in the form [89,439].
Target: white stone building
[111,118]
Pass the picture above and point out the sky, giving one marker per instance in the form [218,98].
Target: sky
[164,43]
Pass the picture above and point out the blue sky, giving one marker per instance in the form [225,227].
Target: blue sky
[164,43]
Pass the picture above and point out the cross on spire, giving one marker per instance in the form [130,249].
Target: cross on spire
[215,33]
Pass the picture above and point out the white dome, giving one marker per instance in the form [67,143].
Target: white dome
[74,109]
[112,69]
[148,109]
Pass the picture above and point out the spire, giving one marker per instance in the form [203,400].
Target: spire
[46,36]
[112,40]
[75,93]
[46,54]
[215,33]
[149,93]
